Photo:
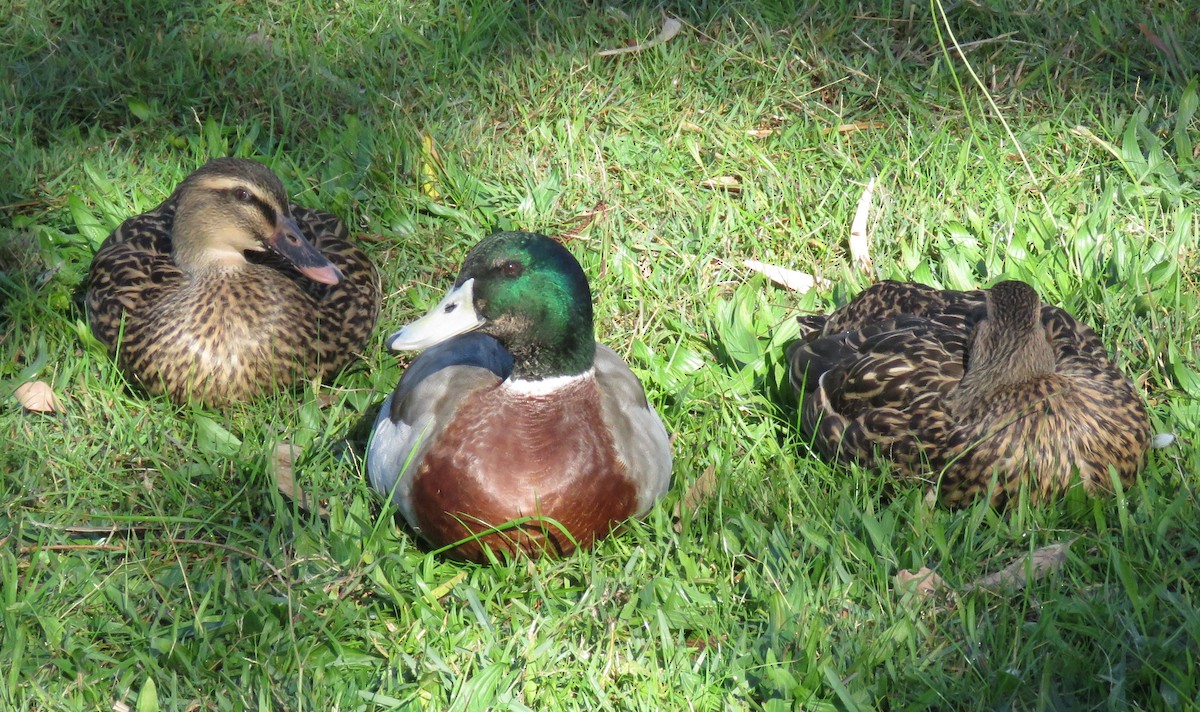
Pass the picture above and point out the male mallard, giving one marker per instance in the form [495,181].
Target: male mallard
[514,413]
[227,290]
[961,387]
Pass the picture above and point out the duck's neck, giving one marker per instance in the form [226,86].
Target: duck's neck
[207,261]
[547,386]
[571,354]
[1000,359]
[201,245]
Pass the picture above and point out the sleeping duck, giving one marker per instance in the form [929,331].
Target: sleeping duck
[980,392]
[514,429]
[226,290]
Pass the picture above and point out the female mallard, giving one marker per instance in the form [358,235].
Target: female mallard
[227,290]
[980,391]
[527,420]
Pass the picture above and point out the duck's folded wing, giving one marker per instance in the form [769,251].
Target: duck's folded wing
[130,274]
[885,392]
[638,433]
[424,401]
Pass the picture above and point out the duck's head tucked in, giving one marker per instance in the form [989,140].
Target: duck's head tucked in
[1009,347]
[514,430]
[232,206]
[981,393]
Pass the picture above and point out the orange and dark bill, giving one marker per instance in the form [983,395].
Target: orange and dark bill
[289,242]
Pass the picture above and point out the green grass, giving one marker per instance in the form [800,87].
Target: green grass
[146,558]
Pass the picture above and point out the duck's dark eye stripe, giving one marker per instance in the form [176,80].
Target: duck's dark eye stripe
[264,207]
[245,196]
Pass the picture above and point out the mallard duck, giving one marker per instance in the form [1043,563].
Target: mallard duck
[513,414]
[981,392]
[226,290]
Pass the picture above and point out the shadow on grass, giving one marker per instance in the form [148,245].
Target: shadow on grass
[142,69]
[108,67]
[128,80]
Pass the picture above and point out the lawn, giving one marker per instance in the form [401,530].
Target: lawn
[149,561]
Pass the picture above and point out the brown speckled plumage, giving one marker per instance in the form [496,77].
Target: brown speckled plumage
[231,318]
[960,387]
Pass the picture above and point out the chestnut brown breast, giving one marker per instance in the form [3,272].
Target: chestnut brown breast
[506,456]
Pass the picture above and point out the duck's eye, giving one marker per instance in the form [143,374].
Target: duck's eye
[511,268]
[241,195]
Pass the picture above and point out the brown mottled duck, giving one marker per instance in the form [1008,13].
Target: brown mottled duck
[979,392]
[227,290]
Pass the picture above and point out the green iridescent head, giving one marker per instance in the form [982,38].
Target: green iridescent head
[525,290]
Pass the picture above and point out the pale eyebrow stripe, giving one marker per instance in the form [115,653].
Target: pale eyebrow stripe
[221,183]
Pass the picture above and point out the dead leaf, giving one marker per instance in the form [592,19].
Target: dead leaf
[860,244]
[697,494]
[924,582]
[689,126]
[856,126]
[704,643]
[1030,568]
[431,164]
[670,28]
[583,221]
[1156,41]
[791,279]
[702,489]
[760,133]
[1014,576]
[258,38]
[283,457]
[38,397]
[729,184]
[1086,133]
